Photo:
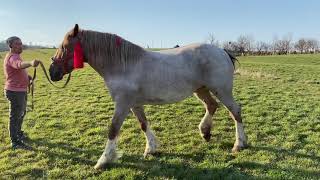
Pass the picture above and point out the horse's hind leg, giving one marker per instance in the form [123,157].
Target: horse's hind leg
[225,96]
[211,106]
[151,145]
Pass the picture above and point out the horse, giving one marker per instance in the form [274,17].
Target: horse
[136,77]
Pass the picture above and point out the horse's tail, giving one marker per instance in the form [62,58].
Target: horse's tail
[232,58]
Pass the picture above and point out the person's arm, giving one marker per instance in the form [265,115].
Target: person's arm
[24,65]
[16,62]
[33,63]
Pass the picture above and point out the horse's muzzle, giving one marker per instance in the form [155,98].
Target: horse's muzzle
[55,73]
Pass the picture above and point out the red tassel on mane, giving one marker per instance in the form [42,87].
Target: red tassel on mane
[78,56]
[118,41]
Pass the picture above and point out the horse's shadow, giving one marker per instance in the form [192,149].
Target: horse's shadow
[156,167]
[153,166]
[296,173]
[286,152]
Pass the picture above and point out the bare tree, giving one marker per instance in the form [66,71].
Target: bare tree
[242,44]
[250,47]
[312,45]
[282,46]
[286,43]
[232,47]
[301,45]
[245,43]
[227,45]
[265,47]
[212,40]
[262,47]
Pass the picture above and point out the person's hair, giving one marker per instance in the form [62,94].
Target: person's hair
[11,39]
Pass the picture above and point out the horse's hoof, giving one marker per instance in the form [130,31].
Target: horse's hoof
[151,152]
[100,166]
[238,148]
[146,154]
[206,136]
[205,132]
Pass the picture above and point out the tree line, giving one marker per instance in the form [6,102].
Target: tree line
[4,46]
[246,45]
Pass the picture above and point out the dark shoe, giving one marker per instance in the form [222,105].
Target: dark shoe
[22,136]
[20,145]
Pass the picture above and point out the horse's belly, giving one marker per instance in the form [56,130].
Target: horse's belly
[167,94]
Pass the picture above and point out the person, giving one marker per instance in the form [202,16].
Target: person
[15,89]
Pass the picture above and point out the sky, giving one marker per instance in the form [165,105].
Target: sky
[161,23]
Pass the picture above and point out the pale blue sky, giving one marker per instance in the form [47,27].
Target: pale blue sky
[160,22]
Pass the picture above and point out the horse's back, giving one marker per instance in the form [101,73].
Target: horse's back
[176,73]
[171,75]
[212,65]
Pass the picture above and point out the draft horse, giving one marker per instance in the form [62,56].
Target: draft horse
[136,77]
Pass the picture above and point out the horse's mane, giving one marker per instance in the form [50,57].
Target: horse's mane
[105,49]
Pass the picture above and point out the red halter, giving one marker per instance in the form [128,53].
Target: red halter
[78,56]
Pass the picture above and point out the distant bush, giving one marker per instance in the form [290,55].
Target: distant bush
[3,46]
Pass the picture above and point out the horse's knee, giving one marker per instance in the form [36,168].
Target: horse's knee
[113,132]
[143,126]
[139,113]
[235,112]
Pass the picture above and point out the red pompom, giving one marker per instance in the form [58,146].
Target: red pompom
[118,41]
[78,56]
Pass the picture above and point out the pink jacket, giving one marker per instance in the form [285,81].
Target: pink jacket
[16,78]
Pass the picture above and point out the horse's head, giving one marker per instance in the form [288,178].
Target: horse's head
[62,62]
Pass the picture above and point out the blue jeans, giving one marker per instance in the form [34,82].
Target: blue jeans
[17,111]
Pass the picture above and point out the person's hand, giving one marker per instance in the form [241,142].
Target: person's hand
[35,63]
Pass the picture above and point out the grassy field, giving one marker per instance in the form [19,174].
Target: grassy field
[280,97]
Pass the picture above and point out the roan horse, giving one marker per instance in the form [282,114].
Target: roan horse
[135,77]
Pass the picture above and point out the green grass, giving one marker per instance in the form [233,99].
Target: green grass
[280,98]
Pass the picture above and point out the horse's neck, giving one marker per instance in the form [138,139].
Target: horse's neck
[103,70]
[96,67]
[115,62]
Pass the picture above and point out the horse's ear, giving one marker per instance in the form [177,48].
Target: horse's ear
[75,30]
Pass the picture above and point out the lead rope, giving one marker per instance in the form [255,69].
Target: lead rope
[31,87]
[45,72]
[32,83]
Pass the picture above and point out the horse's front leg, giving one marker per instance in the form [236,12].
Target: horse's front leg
[109,155]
